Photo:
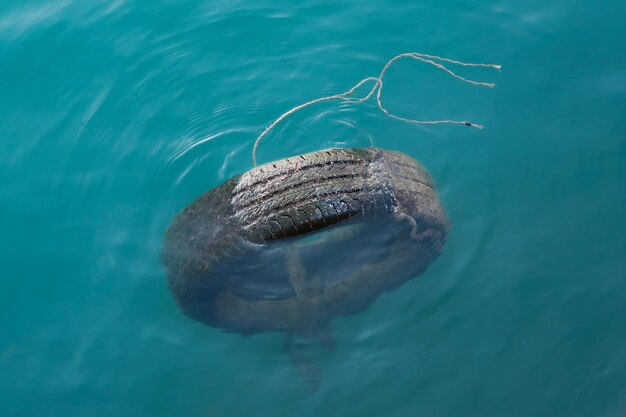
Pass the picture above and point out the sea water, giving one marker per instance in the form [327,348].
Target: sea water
[114,115]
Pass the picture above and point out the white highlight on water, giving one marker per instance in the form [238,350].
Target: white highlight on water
[377,88]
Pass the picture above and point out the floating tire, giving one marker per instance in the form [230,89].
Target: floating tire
[303,239]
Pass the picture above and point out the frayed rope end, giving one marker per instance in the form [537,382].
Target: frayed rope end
[477,126]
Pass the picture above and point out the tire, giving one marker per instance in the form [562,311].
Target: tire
[225,252]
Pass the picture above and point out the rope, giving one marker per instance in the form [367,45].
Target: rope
[377,88]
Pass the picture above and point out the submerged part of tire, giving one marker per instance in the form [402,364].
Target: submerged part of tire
[292,243]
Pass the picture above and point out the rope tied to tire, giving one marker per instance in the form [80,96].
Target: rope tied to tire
[288,245]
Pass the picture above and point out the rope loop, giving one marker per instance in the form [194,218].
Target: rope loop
[377,88]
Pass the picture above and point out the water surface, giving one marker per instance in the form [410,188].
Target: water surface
[114,115]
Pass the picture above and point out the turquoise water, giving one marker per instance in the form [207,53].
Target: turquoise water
[116,114]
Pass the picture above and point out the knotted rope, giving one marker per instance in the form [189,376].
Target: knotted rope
[377,88]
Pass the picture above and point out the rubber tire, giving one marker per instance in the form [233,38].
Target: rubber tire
[285,200]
